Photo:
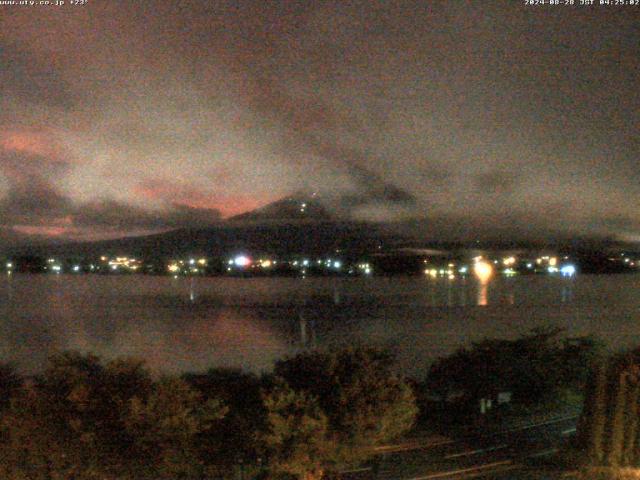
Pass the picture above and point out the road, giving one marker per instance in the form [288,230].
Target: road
[493,456]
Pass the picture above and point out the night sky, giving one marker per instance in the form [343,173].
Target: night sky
[123,118]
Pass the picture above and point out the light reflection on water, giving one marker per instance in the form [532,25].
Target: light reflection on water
[195,323]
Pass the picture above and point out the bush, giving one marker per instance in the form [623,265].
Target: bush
[535,368]
[365,403]
[85,420]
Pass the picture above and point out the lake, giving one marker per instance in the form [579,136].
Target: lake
[180,324]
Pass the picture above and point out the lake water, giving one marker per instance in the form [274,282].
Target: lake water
[196,323]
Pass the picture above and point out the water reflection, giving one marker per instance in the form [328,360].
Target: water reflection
[307,332]
[336,292]
[192,292]
[195,323]
[483,271]
[483,289]
[510,298]
[450,300]
[567,292]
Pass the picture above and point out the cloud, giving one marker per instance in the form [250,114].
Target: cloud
[33,205]
[497,181]
[24,76]
[392,110]
[110,214]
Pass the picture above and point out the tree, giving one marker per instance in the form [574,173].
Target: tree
[241,428]
[84,420]
[50,428]
[296,442]
[366,404]
[536,367]
[164,426]
[591,425]
[608,427]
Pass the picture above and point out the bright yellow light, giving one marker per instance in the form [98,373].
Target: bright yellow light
[483,271]
[509,261]
[553,261]
[265,263]
[173,268]
[202,261]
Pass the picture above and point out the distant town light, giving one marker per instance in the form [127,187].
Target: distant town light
[509,261]
[76,268]
[337,264]
[242,261]
[483,270]
[9,265]
[568,270]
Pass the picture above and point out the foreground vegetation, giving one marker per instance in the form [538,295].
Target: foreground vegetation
[609,428]
[86,419]
[317,413]
[539,371]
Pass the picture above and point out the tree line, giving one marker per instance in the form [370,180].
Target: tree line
[317,413]
[85,419]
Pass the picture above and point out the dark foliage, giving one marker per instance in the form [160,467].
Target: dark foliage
[535,368]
